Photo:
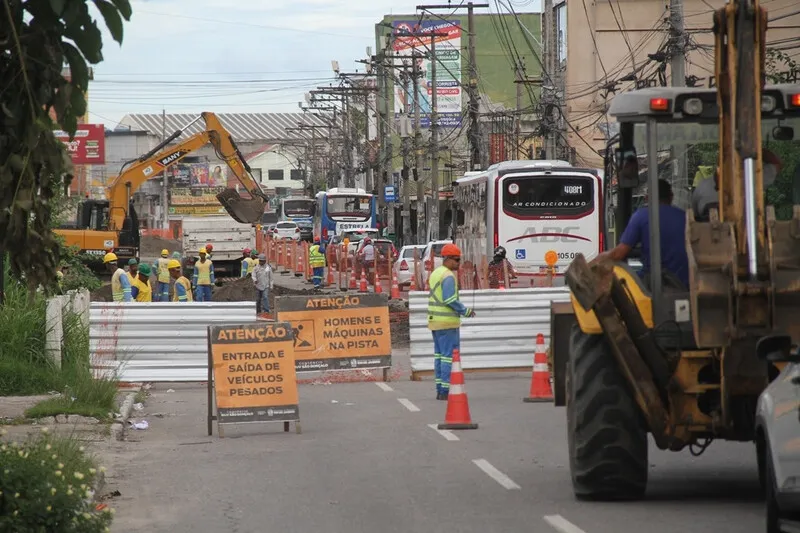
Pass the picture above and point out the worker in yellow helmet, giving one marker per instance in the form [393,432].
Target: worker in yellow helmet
[183,288]
[203,277]
[120,282]
[141,290]
[162,282]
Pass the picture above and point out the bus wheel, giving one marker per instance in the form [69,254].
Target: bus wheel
[606,435]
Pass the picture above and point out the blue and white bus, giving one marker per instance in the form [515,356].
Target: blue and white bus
[340,210]
[294,209]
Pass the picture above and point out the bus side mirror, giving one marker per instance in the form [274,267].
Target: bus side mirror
[627,168]
[783,133]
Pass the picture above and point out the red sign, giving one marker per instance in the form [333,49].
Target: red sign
[497,148]
[89,145]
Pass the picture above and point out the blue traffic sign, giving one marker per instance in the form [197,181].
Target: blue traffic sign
[390,193]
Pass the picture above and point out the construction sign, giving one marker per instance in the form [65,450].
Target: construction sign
[251,368]
[338,332]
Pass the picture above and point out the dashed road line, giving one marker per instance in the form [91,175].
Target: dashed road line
[383,386]
[446,433]
[408,405]
[562,525]
[505,481]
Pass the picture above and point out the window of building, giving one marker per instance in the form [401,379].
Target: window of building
[275,175]
[297,174]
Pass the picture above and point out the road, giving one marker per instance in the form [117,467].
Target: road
[368,461]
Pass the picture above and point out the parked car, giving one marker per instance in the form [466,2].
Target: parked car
[432,258]
[778,434]
[404,266]
[287,230]
[306,230]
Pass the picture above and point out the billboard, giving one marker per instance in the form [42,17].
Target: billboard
[89,145]
[448,69]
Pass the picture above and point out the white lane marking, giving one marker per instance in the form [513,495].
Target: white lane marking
[562,525]
[383,386]
[408,405]
[446,433]
[495,474]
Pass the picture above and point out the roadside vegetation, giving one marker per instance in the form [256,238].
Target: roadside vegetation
[46,484]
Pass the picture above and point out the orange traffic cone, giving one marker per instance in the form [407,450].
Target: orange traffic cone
[330,275]
[395,294]
[540,378]
[378,287]
[413,285]
[363,285]
[457,416]
[501,284]
[353,284]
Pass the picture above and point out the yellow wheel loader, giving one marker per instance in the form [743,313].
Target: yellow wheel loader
[636,355]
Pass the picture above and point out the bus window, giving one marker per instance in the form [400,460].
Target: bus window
[559,196]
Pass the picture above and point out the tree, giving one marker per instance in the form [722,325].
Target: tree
[38,38]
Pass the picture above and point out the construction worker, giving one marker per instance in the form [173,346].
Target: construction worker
[162,281]
[209,250]
[120,282]
[183,287]
[247,266]
[262,279]
[316,259]
[444,317]
[140,289]
[498,268]
[133,266]
[203,277]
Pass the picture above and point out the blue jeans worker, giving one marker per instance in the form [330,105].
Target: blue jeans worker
[162,273]
[316,259]
[262,279]
[444,317]
[203,277]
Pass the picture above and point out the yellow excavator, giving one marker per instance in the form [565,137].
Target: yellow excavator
[635,354]
[112,223]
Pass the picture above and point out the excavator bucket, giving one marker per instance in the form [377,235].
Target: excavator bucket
[243,210]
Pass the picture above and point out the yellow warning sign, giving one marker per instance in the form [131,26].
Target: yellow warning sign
[338,332]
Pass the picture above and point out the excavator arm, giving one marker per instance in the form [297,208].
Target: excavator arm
[243,210]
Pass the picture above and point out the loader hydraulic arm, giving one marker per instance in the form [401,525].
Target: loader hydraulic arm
[157,160]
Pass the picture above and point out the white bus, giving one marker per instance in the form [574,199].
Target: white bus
[530,208]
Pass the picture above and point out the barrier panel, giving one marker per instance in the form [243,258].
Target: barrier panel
[152,342]
[502,335]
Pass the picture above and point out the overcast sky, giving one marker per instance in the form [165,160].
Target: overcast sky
[187,56]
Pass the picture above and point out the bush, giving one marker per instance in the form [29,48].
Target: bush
[46,485]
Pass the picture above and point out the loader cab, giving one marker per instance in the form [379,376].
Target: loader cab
[93,215]
[667,132]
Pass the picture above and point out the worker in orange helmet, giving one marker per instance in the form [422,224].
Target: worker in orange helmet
[444,317]
[247,263]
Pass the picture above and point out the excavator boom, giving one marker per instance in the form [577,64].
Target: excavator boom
[243,210]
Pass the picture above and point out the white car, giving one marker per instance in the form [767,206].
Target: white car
[432,257]
[287,230]
[404,266]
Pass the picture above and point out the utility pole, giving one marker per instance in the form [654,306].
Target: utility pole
[418,163]
[433,221]
[477,153]
[518,122]
[165,188]
[678,79]
[404,174]
[549,53]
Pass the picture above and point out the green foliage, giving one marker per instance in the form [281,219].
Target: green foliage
[38,38]
[78,275]
[45,485]
[780,67]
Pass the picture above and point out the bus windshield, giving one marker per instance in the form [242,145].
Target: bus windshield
[301,207]
[350,206]
[548,195]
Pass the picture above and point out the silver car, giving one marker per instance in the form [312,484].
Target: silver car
[404,265]
[778,435]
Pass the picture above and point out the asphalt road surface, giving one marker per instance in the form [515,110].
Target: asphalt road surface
[368,460]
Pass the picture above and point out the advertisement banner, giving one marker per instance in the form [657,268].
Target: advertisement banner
[186,175]
[338,332]
[448,70]
[89,145]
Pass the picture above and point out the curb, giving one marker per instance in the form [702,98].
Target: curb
[118,427]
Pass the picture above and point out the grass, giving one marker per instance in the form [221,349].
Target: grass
[26,369]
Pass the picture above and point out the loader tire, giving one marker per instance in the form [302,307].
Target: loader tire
[605,430]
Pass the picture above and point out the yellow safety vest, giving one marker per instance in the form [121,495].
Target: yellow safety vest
[441,315]
[315,258]
[145,292]
[186,285]
[163,271]
[116,286]
[132,277]
[203,272]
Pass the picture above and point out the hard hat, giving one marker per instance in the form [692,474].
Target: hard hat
[209,247]
[316,240]
[176,255]
[144,268]
[246,251]
[262,257]
[174,263]
[110,257]
[164,252]
[202,251]
[132,261]
[254,253]
[451,250]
